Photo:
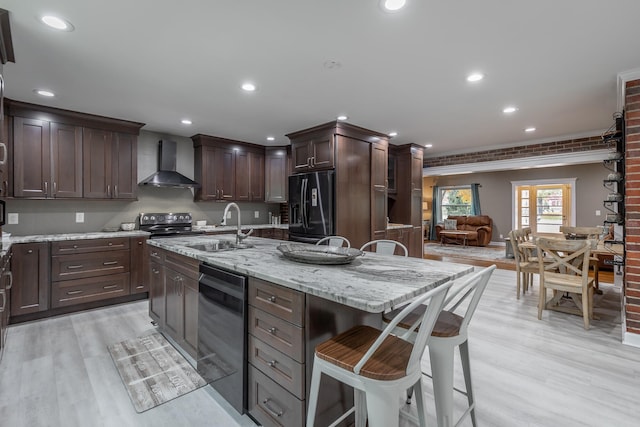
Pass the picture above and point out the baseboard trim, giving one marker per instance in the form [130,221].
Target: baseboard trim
[632,340]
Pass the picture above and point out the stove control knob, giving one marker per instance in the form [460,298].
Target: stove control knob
[144,218]
[152,218]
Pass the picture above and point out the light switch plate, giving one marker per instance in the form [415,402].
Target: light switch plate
[79,216]
[12,218]
[598,213]
[256,214]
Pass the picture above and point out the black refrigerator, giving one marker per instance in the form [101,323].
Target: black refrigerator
[311,206]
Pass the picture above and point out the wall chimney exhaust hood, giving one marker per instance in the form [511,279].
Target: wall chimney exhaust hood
[167,175]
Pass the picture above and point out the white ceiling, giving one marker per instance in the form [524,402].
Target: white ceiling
[158,61]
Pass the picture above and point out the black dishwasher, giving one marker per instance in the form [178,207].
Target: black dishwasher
[222,333]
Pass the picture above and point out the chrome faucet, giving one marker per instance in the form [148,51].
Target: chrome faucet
[240,236]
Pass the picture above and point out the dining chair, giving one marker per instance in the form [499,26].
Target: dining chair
[568,273]
[449,332]
[386,247]
[525,268]
[338,241]
[378,365]
[581,233]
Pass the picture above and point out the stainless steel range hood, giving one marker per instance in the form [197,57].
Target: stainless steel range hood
[167,176]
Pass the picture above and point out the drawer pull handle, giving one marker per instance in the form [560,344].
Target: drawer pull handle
[109,286]
[110,244]
[30,251]
[155,271]
[109,262]
[74,292]
[266,405]
[272,298]
[75,246]
[139,286]
[74,267]
[272,363]
[273,330]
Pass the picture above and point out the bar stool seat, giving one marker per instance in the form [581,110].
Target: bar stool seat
[378,365]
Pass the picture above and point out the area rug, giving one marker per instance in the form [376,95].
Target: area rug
[471,252]
[153,371]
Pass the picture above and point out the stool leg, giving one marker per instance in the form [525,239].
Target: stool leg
[360,402]
[313,393]
[383,406]
[441,354]
[409,394]
[466,369]
[422,413]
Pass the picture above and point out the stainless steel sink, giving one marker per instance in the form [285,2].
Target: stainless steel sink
[218,246]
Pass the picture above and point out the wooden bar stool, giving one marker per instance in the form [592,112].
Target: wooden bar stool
[378,365]
[449,332]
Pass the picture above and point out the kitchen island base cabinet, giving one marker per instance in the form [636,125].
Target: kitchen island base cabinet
[271,404]
[173,299]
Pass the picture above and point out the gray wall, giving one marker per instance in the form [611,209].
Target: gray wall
[496,196]
[58,216]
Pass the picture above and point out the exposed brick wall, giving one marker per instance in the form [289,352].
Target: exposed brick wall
[632,206]
[557,147]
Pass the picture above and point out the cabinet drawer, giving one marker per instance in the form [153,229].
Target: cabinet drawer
[184,265]
[271,404]
[156,254]
[277,366]
[65,267]
[282,302]
[279,334]
[71,292]
[90,245]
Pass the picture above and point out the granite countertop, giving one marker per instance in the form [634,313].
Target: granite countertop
[233,228]
[34,238]
[372,283]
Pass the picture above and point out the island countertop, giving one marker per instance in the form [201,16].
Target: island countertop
[373,283]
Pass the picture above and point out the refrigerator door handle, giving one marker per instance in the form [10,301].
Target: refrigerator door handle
[303,197]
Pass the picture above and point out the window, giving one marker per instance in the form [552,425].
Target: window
[454,201]
[544,205]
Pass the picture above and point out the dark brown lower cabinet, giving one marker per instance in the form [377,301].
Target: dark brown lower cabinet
[276,354]
[31,280]
[139,280]
[6,283]
[173,296]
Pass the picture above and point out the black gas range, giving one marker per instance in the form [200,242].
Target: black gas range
[167,224]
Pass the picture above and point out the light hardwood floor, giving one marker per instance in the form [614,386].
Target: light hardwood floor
[526,372]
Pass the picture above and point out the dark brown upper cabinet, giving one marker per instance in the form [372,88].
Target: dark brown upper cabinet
[70,155]
[110,164]
[228,170]
[47,159]
[276,174]
[311,154]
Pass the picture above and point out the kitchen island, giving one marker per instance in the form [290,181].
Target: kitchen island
[294,306]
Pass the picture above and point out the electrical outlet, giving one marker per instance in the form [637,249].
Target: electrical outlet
[12,218]
[501,236]
[79,216]
[598,213]
[256,214]
[228,215]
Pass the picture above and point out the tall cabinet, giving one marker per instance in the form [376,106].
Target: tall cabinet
[615,183]
[359,158]
[407,200]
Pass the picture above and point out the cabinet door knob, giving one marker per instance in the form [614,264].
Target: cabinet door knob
[140,243]
[30,251]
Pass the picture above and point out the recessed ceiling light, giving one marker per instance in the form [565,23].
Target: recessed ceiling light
[428,145]
[44,92]
[475,77]
[57,23]
[393,5]
[270,138]
[392,134]
[530,129]
[249,87]
[342,118]
[185,121]
[509,110]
